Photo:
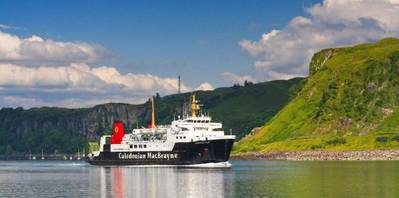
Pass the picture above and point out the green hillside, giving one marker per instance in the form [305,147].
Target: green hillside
[240,108]
[349,102]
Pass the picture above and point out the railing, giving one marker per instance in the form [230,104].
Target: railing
[38,157]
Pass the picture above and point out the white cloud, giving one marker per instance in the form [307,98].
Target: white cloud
[286,53]
[82,77]
[205,87]
[39,72]
[234,78]
[75,102]
[6,27]
[79,85]
[38,50]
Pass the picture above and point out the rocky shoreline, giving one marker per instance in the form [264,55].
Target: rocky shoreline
[322,155]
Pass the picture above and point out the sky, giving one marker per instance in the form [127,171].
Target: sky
[83,53]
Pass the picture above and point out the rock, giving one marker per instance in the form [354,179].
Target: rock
[322,155]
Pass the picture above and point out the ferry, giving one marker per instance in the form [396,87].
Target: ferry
[190,140]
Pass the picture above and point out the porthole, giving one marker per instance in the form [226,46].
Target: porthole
[135,146]
[145,146]
[140,146]
[131,146]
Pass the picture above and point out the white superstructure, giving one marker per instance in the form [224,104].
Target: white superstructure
[191,128]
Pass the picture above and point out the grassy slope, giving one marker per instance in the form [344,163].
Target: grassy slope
[349,102]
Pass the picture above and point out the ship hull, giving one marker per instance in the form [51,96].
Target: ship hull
[190,153]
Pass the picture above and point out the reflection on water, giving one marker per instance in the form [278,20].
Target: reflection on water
[244,179]
[165,181]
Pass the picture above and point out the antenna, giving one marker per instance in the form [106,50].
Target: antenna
[178,85]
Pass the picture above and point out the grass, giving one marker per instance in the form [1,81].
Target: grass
[329,143]
[349,102]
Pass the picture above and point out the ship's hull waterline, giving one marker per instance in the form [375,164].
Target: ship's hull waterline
[190,153]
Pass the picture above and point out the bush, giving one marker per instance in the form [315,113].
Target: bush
[382,139]
[316,146]
[395,138]
[336,141]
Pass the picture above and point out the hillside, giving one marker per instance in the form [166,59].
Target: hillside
[349,102]
[240,108]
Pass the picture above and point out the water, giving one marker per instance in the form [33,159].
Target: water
[243,179]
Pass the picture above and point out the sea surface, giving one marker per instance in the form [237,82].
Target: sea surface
[243,179]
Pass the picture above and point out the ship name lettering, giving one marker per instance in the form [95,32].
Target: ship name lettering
[131,156]
[159,155]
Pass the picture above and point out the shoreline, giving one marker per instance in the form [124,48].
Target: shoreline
[371,155]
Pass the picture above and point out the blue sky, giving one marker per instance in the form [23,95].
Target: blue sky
[82,53]
[197,39]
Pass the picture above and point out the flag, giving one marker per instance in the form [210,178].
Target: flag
[118,134]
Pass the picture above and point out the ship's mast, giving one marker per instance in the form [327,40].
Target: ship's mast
[152,113]
[195,107]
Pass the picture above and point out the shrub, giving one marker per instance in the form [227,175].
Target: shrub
[382,139]
[395,138]
[316,146]
[336,141]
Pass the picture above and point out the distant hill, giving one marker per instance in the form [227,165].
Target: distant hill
[240,108]
[349,102]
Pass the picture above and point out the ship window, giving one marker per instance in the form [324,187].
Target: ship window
[140,146]
[184,137]
[131,146]
[145,146]
[135,146]
[177,137]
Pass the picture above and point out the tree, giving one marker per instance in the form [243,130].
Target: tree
[236,86]
[157,96]
[247,83]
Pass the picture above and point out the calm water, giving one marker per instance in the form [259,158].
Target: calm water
[244,179]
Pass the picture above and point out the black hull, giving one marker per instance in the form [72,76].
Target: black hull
[191,153]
